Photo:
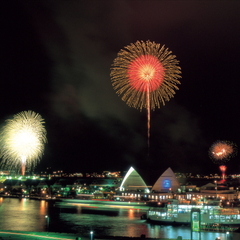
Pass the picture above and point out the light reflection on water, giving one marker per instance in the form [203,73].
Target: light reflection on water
[20,214]
[29,215]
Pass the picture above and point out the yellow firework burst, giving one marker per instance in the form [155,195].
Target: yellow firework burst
[22,140]
[145,75]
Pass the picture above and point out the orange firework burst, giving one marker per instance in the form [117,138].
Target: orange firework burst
[222,151]
[145,74]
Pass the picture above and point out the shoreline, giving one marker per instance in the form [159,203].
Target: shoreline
[23,235]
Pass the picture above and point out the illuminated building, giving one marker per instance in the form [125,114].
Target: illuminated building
[133,181]
[133,187]
[167,182]
[130,188]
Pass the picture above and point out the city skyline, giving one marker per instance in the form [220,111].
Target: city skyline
[56,60]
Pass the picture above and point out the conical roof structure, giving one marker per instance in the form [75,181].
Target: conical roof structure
[133,181]
[166,182]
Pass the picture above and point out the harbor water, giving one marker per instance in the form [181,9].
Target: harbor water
[49,216]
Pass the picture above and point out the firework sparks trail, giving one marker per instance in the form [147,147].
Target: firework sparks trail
[148,117]
[145,75]
[223,169]
[221,152]
[22,140]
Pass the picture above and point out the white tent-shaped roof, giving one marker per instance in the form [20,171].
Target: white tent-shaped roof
[132,181]
[166,182]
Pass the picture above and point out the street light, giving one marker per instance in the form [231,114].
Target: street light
[91,235]
[216,187]
[47,217]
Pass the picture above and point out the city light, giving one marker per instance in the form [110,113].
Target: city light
[91,235]
[47,218]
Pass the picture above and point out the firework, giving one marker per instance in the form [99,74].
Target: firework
[223,169]
[144,68]
[22,140]
[222,151]
[145,75]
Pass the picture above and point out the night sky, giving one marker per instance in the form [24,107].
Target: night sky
[56,58]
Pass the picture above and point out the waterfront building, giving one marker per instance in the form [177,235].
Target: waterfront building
[168,186]
[133,182]
[131,187]
[134,188]
[16,186]
[167,182]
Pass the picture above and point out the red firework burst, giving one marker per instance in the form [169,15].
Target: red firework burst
[146,73]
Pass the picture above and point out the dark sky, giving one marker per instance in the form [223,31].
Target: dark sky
[56,58]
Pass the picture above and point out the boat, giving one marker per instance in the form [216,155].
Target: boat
[212,216]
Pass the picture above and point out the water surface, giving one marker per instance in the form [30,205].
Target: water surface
[30,215]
